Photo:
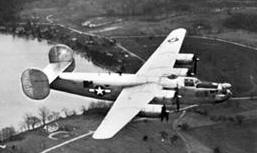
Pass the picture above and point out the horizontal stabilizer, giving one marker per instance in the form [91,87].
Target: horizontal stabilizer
[53,70]
[60,59]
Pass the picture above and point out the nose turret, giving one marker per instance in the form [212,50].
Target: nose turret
[224,92]
[226,85]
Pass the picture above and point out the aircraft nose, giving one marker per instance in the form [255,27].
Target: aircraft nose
[224,96]
[226,85]
[229,93]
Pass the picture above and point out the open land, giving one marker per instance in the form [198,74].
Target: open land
[140,26]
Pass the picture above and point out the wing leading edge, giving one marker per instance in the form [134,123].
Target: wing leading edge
[129,103]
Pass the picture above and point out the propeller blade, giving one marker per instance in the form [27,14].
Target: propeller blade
[196,59]
[164,114]
[177,104]
[176,98]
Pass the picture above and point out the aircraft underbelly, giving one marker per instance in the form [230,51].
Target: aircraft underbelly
[192,96]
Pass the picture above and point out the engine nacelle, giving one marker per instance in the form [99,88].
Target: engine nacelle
[188,61]
[151,110]
[184,59]
[165,95]
[179,71]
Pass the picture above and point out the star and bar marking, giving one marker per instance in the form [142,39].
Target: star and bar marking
[99,90]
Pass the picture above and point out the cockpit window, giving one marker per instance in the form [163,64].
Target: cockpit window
[189,82]
[209,85]
[172,77]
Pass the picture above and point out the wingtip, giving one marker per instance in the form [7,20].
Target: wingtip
[102,134]
[180,29]
[101,137]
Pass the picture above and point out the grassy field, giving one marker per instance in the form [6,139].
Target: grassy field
[135,137]
[146,136]
[228,137]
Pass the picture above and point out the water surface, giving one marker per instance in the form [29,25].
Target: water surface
[18,54]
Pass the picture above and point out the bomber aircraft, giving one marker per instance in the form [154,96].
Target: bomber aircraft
[156,84]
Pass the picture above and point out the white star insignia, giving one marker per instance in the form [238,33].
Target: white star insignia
[99,91]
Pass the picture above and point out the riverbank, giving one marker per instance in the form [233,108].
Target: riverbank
[102,51]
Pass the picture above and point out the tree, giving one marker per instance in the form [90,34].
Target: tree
[7,132]
[22,126]
[30,121]
[43,114]
[66,112]
[27,123]
[54,116]
[73,113]
[34,121]
[83,109]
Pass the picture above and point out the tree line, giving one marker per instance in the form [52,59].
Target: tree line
[30,122]
[9,10]
[44,117]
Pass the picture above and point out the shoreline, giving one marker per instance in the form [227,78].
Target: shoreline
[102,51]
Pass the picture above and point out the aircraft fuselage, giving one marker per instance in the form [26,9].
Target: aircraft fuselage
[108,86]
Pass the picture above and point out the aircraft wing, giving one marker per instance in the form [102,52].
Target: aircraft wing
[164,58]
[128,104]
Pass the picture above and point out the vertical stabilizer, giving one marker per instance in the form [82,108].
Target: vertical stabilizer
[36,83]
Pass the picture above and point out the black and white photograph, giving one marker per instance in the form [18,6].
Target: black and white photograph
[128,76]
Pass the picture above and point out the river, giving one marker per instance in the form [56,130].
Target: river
[18,54]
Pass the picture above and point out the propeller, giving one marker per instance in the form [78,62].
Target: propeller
[177,103]
[176,98]
[164,114]
[195,59]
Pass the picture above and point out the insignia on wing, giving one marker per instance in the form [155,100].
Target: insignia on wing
[173,39]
